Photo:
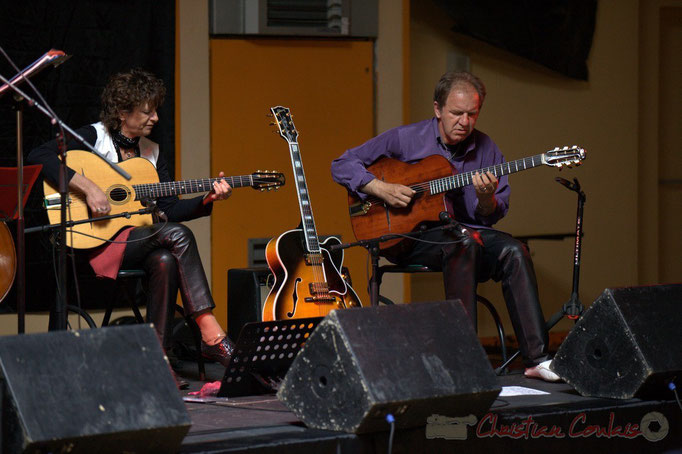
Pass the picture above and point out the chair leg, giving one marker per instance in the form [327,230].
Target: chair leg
[498,323]
[197,341]
[77,310]
[385,300]
[196,335]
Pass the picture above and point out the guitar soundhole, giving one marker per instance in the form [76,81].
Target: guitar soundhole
[119,194]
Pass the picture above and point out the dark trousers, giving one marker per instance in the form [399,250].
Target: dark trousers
[169,256]
[465,262]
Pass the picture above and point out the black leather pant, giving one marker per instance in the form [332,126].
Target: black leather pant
[171,260]
[502,258]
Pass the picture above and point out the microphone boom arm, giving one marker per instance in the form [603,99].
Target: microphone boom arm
[57,121]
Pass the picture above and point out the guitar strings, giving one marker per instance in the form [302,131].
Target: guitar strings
[466,178]
[319,287]
[168,188]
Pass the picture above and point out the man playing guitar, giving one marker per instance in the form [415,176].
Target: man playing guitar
[481,253]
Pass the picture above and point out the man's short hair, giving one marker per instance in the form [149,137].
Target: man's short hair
[451,79]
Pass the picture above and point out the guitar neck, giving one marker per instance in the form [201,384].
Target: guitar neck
[171,188]
[309,230]
[466,178]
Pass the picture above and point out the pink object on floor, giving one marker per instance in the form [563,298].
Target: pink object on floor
[208,390]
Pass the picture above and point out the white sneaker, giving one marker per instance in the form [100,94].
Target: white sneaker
[543,372]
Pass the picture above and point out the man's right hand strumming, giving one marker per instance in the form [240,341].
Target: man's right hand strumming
[395,195]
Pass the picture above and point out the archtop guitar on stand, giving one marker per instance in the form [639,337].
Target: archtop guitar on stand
[308,279]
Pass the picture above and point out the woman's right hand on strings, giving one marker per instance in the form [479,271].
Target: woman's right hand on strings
[95,198]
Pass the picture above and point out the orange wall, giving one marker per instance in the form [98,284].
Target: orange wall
[328,86]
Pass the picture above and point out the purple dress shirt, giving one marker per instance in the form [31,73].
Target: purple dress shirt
[414,142]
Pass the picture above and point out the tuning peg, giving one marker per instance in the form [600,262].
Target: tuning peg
[269,115]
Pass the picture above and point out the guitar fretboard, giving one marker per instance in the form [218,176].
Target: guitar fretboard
[309,230]
[171,188]
[466,178]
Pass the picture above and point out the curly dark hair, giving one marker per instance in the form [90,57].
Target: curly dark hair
[128,90]
[451,79]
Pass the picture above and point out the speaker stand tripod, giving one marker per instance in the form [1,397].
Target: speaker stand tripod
[573,308]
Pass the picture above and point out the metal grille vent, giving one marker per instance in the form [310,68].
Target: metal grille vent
[313,14]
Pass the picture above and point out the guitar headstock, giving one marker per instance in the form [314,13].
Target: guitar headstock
[566,156]
[285,123]
[267,180]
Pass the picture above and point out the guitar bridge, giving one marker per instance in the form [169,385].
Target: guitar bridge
[54,201]
[320,292]
[320,299]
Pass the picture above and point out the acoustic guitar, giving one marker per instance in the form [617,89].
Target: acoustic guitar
[371,218]
[125,196]
[308,280]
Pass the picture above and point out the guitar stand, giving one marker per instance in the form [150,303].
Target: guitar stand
[263,354]
[573,308]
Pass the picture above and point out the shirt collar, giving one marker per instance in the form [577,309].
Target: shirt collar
[469,143]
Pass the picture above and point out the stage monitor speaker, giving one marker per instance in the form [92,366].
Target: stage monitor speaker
[409,360]
[101,390]
[247,289]
[628,342]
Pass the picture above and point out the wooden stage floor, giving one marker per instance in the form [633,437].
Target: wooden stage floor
[533,416]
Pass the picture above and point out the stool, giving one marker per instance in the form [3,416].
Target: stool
[424,269]
[125,281]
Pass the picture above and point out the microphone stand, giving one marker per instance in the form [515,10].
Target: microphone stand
[372,246]
[573,308]
[61,244]
[52,57]
[125,214]
[21,265]
[60,306]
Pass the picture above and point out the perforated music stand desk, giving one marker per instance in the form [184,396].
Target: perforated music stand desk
[263,355]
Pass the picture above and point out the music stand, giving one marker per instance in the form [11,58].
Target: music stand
[14,191]
[263,355]
[9,200]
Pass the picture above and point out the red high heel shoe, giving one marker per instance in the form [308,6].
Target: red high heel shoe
[220,352]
